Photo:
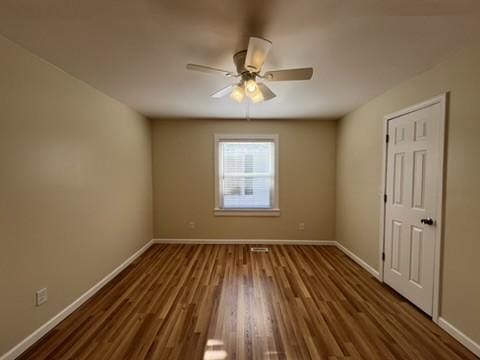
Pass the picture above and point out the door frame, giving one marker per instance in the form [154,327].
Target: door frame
[442,100]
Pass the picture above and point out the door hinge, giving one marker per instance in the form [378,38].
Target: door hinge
[387,138]
[385,198]
[383,256]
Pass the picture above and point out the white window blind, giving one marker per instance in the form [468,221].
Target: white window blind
[246,171]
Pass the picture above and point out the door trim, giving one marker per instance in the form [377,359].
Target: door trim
[442,100]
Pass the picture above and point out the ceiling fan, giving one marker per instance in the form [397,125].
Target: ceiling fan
[249,64]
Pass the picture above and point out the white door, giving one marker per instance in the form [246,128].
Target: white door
[414,153]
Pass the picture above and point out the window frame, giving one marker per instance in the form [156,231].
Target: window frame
[275,209]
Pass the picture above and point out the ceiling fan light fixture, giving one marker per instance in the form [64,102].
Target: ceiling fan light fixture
[237,94]
[256,96]
[250,86]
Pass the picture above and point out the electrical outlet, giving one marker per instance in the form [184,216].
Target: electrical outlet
[191,225]
[301,226]
[41,296]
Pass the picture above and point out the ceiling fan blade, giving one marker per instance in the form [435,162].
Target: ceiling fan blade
[210,70]
[257,52]
[266,92]
[290,74]
[223,92]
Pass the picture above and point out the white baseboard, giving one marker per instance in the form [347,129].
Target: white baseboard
[459,336]
[50,324]
[358,260]
[244,241]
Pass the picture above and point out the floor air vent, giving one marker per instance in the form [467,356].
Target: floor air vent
[259,249]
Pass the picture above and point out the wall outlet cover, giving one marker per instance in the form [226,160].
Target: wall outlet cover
[41,296]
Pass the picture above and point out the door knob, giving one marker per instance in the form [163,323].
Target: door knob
[427,221]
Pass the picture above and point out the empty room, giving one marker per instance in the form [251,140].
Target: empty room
[221,180]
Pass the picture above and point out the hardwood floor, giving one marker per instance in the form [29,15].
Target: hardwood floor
[212,301]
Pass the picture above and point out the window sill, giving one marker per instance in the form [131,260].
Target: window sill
[247,212]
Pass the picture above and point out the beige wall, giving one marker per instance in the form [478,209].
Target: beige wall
[359,151]
[75,189]
[183,173]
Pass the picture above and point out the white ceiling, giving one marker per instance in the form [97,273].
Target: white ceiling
[136,50]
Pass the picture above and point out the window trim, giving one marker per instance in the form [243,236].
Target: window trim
[275,210]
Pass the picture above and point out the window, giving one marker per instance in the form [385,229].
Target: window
[246,178]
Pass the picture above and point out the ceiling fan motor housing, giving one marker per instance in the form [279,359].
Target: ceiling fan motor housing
[245,74]
[239,60]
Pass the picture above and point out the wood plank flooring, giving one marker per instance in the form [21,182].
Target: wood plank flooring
[223,301]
